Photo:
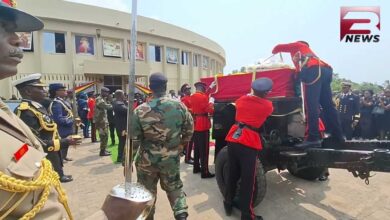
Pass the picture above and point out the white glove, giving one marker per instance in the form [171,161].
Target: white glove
[213,84]
[211,100]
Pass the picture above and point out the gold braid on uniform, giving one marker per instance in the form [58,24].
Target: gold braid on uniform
[69,111]
[44,124]
[47,179]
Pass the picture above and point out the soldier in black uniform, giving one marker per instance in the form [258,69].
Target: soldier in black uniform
[111,124]
[120,107]
[38,119]
[348,106]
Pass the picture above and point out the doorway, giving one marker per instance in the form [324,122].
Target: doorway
[113,82]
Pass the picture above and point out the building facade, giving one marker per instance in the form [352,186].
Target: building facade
[82,43]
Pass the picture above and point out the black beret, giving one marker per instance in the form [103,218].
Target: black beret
[105,89]
[157,78]
[262,84]
[197,84]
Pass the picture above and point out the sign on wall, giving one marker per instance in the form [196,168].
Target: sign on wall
[112,48]
[84,45]
[172,55]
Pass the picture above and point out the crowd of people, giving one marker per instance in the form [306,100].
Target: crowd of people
[364,115]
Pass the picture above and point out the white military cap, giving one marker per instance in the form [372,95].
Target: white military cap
[30,80]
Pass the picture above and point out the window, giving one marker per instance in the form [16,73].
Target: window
[205,62]
[212,65]
[113,82]
[195,61]
[154,53]
[53,42]
[185,58]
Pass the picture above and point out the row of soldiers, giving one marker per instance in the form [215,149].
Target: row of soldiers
[29,187]
[363,116]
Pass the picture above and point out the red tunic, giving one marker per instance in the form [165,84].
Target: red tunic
[250,110]
[186,100]
[294,48]
[91,106]
[200,109]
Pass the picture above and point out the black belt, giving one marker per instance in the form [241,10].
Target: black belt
[243,125]
[203,114]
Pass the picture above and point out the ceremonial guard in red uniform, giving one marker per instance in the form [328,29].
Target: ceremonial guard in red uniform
[316,76]
[186,100]
[244,144]
[201,108]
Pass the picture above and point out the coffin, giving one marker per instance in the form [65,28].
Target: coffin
[231,87]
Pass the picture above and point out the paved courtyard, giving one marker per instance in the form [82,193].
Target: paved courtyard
[342,197]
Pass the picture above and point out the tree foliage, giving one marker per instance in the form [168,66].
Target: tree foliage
[337,81]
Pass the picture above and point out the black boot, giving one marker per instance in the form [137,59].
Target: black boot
[181,216]
[66,178]
[207,175]
[191,162]
[228,208]
[104,153]
[196,169]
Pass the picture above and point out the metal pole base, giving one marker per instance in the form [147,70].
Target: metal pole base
[141,201]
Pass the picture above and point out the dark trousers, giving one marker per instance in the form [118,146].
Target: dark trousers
[242,165]
[346,124]
[201,151]
[189,148]
[56,161]
[121,144]
[318,93]
[93,131]
[86,127]
[112,132]
[366,126]
[64,152]
[219,144]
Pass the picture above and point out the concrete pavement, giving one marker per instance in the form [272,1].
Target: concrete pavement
[342,197]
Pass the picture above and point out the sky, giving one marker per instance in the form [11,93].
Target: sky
[249,29]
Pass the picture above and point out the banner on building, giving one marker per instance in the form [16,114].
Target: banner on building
[84,45]
[112,48]
[140,51]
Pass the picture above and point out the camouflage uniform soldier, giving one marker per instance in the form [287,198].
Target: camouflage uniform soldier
[101,121]
[163,126]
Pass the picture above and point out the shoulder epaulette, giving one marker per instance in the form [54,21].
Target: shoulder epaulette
[24,106]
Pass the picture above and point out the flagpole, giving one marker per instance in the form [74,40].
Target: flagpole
[129,143]
[140,199]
